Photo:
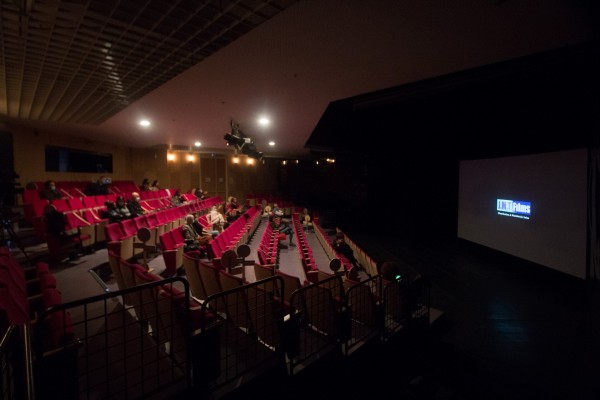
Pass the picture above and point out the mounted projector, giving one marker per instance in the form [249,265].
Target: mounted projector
[241,143]
[235,141]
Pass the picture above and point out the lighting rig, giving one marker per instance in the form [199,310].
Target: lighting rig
[241,142]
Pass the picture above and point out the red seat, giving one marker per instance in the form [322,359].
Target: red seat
[114,232]
[177,235]
[85,230]
[39,206]
[31,195]
[118,241]
[61,205]
[172,252]
[166,242]
[90,202]
[129,228]
[75,203]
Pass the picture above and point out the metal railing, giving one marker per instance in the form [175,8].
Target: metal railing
[162,341]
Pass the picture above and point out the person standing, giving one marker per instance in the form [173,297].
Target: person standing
[278,225]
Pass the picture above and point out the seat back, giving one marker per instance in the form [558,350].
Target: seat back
[75,203]
[210,279]
[128,273]
[177,235]
[90,202]
[291,283]
[236,302]
[61,205]
[167,242]
[264,271]
[190,266]
[129,228]
[114,232]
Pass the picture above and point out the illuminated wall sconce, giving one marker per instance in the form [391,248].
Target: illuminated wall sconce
[171,157]
[330,160]
[235,160]
[191,158]
[284,162]
[250,161]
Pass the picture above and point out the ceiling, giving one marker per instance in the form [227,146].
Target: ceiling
[95,68]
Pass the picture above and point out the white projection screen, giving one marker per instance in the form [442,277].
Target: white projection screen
[533,207]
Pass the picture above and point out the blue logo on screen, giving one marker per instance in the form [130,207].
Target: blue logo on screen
[513,208]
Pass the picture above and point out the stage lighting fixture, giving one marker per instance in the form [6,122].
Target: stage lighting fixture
[242,143]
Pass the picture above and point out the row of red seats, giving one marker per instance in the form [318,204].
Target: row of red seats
[163,305]
[87,228]
[238,232]
[172,241]
[327,243]
[304,250]
[361,255]
[268,248]
[25,295]
[35,207]
[122,237]
[77,188]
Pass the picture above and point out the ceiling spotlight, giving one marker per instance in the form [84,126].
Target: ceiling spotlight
[145,122]
[264,121]
[197,144]
[271,143]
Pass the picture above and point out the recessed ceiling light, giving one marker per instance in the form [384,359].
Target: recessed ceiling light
[271,143]
[197,144]
[264,121]
[145,122]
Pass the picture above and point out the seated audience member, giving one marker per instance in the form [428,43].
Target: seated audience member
[194,240]
[276,210]
[56,225]
[306,220]
[154,186]
[207,229]
[202,194]
[56,222]
[145,185]
[216,219]
[341,247]
[279,225]
[267,209]
[177,199]
[196,192]
[122,208]
[109,212]
[134,206]
[50,192]
[98,187]
[390,271]
[233,209]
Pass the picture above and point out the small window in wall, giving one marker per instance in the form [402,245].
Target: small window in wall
[62,159]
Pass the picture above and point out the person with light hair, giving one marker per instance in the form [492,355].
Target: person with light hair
[216,219]
[190,235]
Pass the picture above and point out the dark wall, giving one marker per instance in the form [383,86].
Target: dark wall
[9,180]
[397,151]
